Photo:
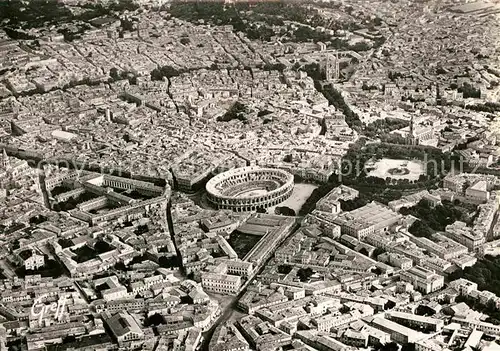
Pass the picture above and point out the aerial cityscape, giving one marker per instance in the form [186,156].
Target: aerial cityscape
[183,175]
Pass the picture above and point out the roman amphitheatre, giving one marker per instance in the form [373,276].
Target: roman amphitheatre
[249,188]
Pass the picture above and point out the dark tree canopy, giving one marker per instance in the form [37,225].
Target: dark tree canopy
[304,274]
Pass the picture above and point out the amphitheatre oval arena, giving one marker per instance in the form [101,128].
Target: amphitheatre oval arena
[249,188]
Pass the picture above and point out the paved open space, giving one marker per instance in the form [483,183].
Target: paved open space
[301,193]
[383,167]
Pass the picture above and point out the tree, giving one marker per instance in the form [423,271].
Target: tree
[237,111]
[378,251]
[344,309]
[392,346]
[285,211]
[360,46]
[274,67]
[469,91]
[155,319]
[304,274]
[164,72]
[120,266]
[408,347]
[389,305]
[168,261]
[420,229]
[102,247]
[350,205]
[405,211]
[141,229]
[423,310]
[363,251]
[65,242]
[37,219]
[284,269]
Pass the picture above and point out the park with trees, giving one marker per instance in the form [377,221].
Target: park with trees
[485,273]
[354,173]
[432,219]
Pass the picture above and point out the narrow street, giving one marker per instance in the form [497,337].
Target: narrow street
[43,187]
[7,270]
[228,311]
[170,224]
[225,316]
[491,234]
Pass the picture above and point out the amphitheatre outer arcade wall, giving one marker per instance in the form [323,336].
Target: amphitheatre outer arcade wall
[229,190]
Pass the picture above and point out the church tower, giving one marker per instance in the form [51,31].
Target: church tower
[412,138]
[4,160]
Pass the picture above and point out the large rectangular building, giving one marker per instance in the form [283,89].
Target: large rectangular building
[371,218]
[467,236]
[331,202]
[441,246]
[221,283]
[415,321]
[398,333]
[423,279]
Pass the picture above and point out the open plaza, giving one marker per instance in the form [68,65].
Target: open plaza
[396,169]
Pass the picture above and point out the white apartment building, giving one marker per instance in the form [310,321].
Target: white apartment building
[238,267]
[325,323]
[466,236]
[478,192]
[221,283]
[423,280]
[463,286]
[116,293]
[371,218]
[396,260]
[413,320]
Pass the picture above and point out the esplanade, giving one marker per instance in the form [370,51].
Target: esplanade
[249,188]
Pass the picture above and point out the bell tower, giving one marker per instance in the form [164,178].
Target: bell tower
[4,160]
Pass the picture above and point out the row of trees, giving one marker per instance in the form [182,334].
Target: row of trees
[336,99]
[315,196]
[384,126]
[490,107]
